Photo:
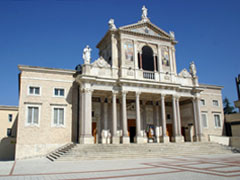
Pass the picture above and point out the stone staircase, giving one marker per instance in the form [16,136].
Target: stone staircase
[60,152]
[127,151]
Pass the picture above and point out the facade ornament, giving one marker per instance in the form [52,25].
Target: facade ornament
[184,73]
[193,70]
[111,24]
[172,34]
[101,62]
[87,54]
[144,14]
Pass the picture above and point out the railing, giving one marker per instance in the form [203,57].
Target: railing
[148,75]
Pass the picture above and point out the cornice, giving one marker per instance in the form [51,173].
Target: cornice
[208,86]
[45,70]
[12,108]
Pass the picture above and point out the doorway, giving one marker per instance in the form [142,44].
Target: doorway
[169,131]
[131,129]
[94,131]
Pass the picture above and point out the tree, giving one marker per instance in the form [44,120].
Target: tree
[228,109]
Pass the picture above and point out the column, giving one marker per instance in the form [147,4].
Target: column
[144,119]
[86,120]
[125,138]
[175,129]
[164,138]
[199,124]
[157,124]
[180,138]
[138,138]
[159,59]
[140,60]
[115,138]
[155,62]
[195,137]
[101,121]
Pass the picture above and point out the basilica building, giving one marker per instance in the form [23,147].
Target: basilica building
[133,93]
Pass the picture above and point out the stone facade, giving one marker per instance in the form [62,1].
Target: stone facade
[8,127]
[131,94]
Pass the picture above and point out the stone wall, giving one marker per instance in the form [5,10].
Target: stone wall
[38,140]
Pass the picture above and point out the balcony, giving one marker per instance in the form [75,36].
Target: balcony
[148,75]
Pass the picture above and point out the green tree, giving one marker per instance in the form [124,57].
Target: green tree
[228,109]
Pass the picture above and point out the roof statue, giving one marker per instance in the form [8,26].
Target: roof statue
[172,34]
[144,14]
[192,69]
[87,54]
[111,24]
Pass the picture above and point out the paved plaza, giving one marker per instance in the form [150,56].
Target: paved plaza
[224,166]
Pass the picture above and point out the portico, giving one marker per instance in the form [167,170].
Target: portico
[148,110]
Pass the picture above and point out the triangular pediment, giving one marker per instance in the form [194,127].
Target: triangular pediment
[146,28]
[101,63]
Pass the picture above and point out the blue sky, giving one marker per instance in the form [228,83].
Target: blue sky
[53,33]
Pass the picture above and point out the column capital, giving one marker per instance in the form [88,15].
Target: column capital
[102,99]
[138,93]
[114,93]
[176,96]
[124,93]
[163,95]
[86,90]
[196,98]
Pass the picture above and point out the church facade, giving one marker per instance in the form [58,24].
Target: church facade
[131,94]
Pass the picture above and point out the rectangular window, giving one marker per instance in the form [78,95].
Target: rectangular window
[33,115]
[34,90]
[9,132]
[10,117]
[58,117]
[217,120]
[215,103]
[202,102]
[204,120]
[59,92]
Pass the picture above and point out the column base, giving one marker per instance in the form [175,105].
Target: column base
[115,140]
[178,139]
[125,140]
[158,139]
[164,139]
[139,140]
[199,138]
[86,139]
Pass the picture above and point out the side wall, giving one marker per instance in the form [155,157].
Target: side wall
[7,143]
[210,94]
[40,139]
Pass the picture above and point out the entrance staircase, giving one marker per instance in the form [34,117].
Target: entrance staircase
[150,150]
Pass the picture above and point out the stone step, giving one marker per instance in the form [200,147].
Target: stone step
[151,150]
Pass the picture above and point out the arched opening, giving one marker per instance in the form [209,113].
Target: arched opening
[147,59]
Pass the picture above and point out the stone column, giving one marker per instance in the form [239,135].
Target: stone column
[175,129]
[115,138]
[138,138]
[101,122]
[125,138]
[86,120]
[140,60]
[157,124]
[164,138]
[179,137]
[197,120]
[159,59]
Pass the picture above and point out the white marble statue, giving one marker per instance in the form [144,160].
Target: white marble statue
[87,54]
[172,34]
[111,24]
[193,70]
[144,13]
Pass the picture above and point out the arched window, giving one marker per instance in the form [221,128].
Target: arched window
[147,59]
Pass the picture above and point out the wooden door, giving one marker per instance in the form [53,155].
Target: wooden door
[94,131]
[169,130]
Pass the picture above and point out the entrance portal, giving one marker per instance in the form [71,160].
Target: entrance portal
[169,131]
[94,131]
[131,129]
